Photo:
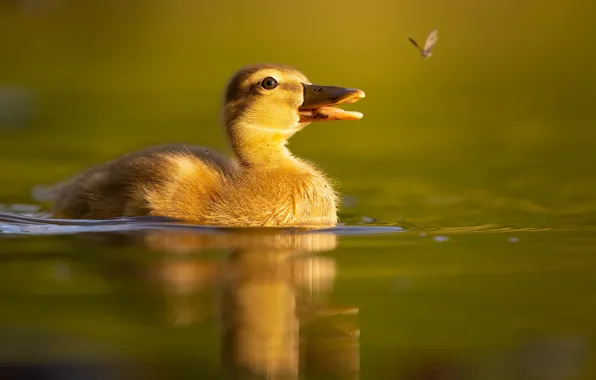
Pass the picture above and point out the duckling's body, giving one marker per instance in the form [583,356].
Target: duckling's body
[198,184]
[263,185]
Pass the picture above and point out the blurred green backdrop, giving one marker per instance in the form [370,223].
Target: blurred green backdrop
[496,127]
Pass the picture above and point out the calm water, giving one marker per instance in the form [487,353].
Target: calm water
[469,244]
[155,299]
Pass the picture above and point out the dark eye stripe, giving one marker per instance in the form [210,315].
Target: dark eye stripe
[294,87]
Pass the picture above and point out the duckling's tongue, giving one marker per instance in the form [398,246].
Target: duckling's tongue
[328,113]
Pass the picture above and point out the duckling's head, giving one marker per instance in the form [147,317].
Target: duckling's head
[266,104]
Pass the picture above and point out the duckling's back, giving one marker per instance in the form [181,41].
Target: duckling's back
[142,183]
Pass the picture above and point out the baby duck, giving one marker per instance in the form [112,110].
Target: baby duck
[263,185]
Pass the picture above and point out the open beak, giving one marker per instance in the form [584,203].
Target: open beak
[319,102]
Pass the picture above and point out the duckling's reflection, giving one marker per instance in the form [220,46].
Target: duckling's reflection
[273,301]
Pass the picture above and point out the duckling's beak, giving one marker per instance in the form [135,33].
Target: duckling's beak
[319,101]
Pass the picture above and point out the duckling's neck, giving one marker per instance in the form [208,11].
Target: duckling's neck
[262,147]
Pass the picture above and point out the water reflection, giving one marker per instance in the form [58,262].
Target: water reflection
[154,293]
[273,300]
[267,289]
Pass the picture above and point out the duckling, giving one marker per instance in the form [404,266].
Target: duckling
[262,185]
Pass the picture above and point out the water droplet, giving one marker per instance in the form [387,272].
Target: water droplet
[440,238]
[368,219]
[513,239]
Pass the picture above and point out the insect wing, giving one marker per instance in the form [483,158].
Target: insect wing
[414,42]
[431,40]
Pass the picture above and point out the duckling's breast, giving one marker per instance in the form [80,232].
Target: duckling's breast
[275,198]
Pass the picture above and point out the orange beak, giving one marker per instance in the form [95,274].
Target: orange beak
[319,102]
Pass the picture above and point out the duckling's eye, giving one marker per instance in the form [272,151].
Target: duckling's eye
[269,83]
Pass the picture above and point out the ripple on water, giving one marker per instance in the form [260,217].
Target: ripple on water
[19,224]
